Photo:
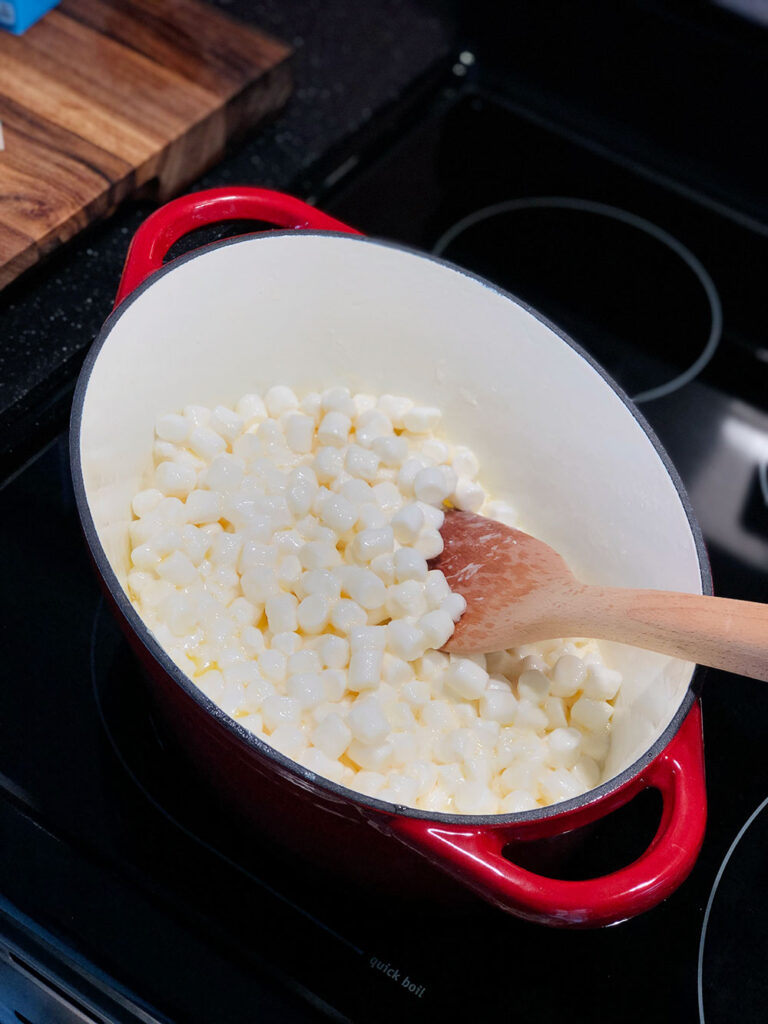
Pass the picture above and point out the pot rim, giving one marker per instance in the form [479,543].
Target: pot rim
[125,606]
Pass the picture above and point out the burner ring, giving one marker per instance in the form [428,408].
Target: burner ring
[710,902]
[635,221]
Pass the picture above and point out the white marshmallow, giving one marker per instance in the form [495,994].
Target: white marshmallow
[392,450]
[468,495]
[313,613]
[277,710]
[338,399]
[299,432]
[367,721]
[437,626]
[334,651]
[332,736]
[334,429]
[289,740]
[429,543]
[251,409]
[369,544]
[281,612]
[422,419]
[466,678]
[172,427]
[280,399]
[568,676]
[307,688]
[226,423]
[601,683]
[533,685]
[206,443]
[365,669]
[175,480]
[362,463]
[431,485]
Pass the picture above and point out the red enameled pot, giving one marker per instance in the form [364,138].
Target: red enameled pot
[325,305]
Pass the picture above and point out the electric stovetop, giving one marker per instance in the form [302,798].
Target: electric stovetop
[129,895]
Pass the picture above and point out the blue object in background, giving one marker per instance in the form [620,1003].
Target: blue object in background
[17,15]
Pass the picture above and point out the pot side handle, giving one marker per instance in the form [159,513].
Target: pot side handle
[474,855]
[163,228]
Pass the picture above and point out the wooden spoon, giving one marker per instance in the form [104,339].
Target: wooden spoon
[519,590]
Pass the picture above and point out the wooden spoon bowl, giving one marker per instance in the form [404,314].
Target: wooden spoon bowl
[519,590]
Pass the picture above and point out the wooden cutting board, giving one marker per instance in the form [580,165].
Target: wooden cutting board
[105,97]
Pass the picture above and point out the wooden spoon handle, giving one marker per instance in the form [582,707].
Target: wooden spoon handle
[716,631]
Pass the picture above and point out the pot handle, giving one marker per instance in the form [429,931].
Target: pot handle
[163,228]
[474,855]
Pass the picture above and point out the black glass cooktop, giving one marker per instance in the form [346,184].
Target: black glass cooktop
[129,894]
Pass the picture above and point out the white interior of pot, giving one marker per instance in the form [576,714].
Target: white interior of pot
[312,311]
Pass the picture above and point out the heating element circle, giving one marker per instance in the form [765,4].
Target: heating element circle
[554,268]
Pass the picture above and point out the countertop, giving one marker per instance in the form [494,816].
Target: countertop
[352,60]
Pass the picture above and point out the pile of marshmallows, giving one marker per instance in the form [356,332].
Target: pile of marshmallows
[281,558]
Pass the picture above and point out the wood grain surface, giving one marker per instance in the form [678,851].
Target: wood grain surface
[102,98]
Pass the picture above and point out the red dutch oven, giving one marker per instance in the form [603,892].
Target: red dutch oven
[324,305]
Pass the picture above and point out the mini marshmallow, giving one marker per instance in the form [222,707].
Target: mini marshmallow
[407,523]
[464,462]
[422,419]
[454,606]
[437,627]
[332,736]
[367,721]
[334,429]
[468,495]
[405,641]
[338,513]
[392,450]
[277,710]
[178,569]
[601,683]
[406,599]
[280,399]
[328,463]
[272,664]
[346,614]
[359,462]
[431,485]
[338,399]
[299,432]
[301,661]
[289,740]
[175,480]
[173,428]
[365,669]
[429,543]
[592,715]
[369,544]
[334,651]
[313,613]
[371,517]
[370,425]
[466,678]
[280,610]
[206,443]
[499,706]
[410,565]
[533,685]
[226,423]
[568,676]
[251,409]
[307,688]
